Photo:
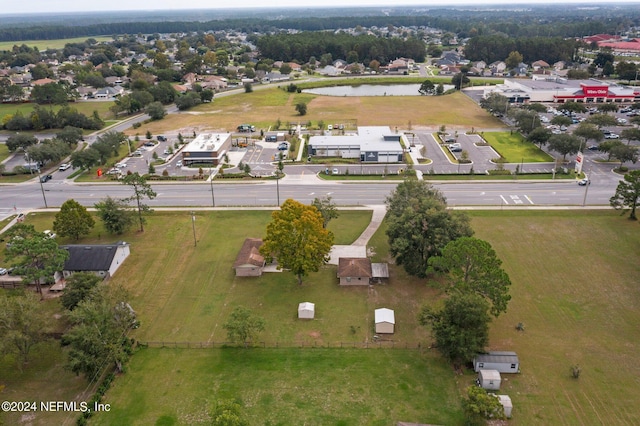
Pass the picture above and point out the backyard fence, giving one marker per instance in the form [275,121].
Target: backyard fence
[379,344]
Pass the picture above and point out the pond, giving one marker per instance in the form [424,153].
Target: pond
[371,90]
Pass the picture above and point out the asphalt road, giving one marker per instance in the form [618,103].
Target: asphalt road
[477,194]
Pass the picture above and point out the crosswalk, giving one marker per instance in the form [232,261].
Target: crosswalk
[516,199]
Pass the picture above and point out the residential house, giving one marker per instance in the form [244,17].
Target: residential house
[498,68]
[360,271]
[249,262]
[101,259]
[540,64]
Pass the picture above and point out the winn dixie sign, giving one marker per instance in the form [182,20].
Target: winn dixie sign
[595,91]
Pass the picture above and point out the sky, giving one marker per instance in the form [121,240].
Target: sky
[52,6]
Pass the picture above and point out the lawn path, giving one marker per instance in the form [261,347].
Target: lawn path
[379,211]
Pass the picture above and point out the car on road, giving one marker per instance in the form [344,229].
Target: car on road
[593,148]
[64,166]
[3,271]
[179,163]
[612,136]
[583,182]
[45,178]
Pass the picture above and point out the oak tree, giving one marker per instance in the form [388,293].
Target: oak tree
[627,194]
[141,189]
[297,239]
[242,326]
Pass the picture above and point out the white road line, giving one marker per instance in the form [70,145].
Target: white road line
[504,200]
[528,199]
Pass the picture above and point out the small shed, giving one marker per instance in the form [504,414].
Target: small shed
[249,262]
[505,401]
[504,362]
[489,379]
[385,321]
[306,310]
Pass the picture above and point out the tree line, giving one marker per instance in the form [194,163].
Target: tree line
[541,21]
[497,47]
[364,48]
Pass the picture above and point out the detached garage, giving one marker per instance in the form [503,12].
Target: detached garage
[385,321]
[306,310]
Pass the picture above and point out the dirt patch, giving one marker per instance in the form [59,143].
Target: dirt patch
[315,334]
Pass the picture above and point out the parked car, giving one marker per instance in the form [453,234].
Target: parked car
[271,138]
[612,136]
[121,165]
[583,182]
[455,147]
[20,217]
[45,178]
[3,271]
[335,172]
[246,128]
[593,148]
[179,163]
[49,234]
[161,138]
[149,144]
[283,146]
[64,166]
[167,152]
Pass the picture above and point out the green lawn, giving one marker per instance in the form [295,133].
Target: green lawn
[575,287]
[286,387]
[514,148]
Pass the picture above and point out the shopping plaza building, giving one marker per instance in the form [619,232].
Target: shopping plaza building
[560,90]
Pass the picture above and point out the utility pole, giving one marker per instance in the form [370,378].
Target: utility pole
[586,188]
[42,189]
[213,198]
[193,225]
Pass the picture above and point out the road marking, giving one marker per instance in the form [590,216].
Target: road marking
[528,199]
[504,200]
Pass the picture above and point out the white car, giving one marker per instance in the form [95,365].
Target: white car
[49,234]
[3,271]
[121,165]
[179,163]
[64,166]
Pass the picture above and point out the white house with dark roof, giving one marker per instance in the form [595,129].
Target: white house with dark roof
[100,259]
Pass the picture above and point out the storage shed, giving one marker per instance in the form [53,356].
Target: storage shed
[489,379]
[505,400]
[385,321]
[306,310]
[504,362]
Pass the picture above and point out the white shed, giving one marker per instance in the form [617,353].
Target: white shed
[385,320]
[306,310]
[506,404]
[489,379]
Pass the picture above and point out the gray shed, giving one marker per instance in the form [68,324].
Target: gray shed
[505,400]
[489,379]
[504,362]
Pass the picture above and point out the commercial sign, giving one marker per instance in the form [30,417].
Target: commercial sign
[595,90]
[579,162]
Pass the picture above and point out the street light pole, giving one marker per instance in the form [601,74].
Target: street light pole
[42,189]
[586,188]
[193,225]
[278,187]
[213,198]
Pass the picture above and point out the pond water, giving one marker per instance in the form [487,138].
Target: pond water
[371,90]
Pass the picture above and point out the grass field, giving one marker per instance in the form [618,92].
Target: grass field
[578,302]
[263,107]
[49,44]
[514,148]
